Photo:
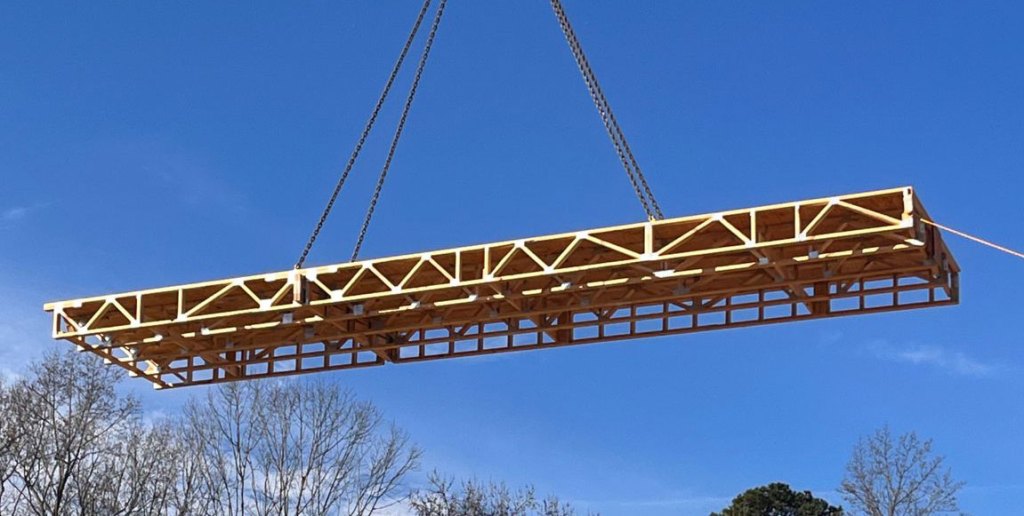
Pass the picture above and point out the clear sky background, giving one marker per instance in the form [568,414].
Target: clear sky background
[144,144]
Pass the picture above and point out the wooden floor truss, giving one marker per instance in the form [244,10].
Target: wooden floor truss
[845,255]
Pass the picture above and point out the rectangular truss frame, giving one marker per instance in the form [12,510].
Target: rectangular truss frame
[844,255]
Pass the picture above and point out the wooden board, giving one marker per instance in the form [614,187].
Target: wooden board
[844,255]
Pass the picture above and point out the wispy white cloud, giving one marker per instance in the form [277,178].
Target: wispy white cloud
[830,337]
[24,327]
[175,173]
[9,376]
[160,171]
[949,360]
[196,185]
[20,341]
[15,213]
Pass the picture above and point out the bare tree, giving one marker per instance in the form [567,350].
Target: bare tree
[69,411]
[9,436]
[133,478]
[82,448]
[70,444]
[275,448]
[898,477]
[191,493]
[553,506]
[221,441]
[471,498]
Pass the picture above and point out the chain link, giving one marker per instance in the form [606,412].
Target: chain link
[362,137]
[618,138]
[636,177]
[398,130]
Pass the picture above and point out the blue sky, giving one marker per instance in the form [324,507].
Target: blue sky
[146,144]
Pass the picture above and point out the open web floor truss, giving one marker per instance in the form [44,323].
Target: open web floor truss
[845,255]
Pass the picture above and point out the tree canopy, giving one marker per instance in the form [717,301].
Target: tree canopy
[778,499]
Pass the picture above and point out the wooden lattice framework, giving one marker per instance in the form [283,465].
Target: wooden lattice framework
[851,254]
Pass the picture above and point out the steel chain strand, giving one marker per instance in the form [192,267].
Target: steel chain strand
[635,167]
[599,101]
[398,130]
[615,133]
[619,143]
[651,206]
[619,138]
[602,107]
[364,135]
[639,173]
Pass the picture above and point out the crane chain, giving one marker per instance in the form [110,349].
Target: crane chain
[364,135]
[398,130]
[615,133]
[635,175]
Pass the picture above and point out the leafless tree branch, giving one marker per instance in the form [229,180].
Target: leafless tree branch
[898,477]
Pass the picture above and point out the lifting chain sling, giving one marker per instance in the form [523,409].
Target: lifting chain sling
[615,133]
